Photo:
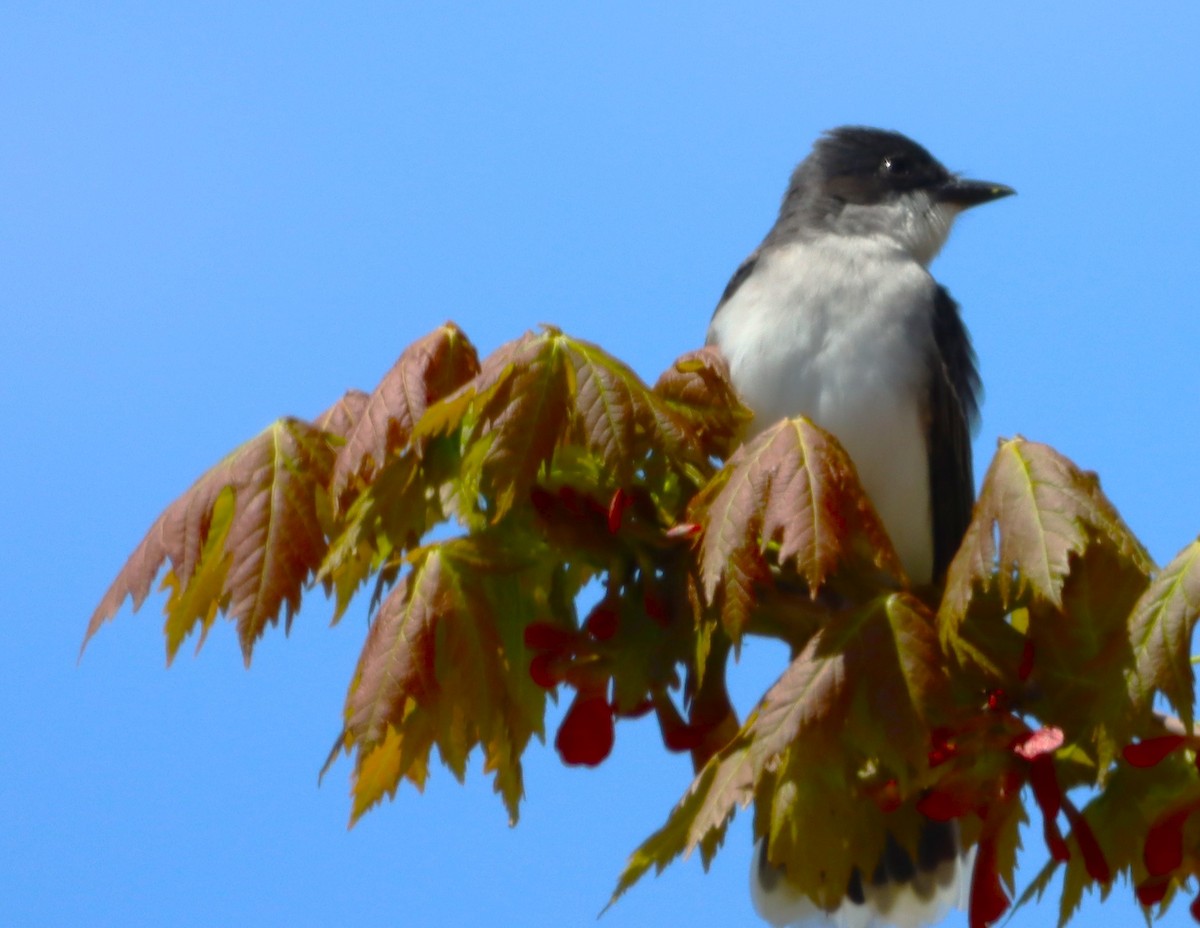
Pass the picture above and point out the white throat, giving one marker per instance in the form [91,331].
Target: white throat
[915,222]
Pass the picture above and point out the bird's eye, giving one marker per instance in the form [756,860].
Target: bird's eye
[896,166]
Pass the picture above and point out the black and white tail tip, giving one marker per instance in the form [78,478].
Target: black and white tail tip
[902,892]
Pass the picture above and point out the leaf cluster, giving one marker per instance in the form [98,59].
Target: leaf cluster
[481,502]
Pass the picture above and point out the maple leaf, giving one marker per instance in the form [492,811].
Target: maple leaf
[342,417]
[1082,655]
[794,487]
[390,516]
[445,665]
[813,729]
[1118,832]
[1160,632]
[563,466]
[1044,509]
[546,392]
[429,369]
[249,557]
[697,388]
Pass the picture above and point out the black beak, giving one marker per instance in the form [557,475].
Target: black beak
[965,193]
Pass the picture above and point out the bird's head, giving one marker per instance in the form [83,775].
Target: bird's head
[870,182]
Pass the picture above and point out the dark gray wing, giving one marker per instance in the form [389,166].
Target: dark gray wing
[953,414]
[739,277]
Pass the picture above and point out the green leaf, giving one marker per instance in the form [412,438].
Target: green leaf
[1044,509]
[856,698]
[1160,631]
[197,602]
[444,665]
[1081,655]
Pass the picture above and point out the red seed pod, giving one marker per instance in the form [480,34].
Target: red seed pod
[1163,852]
[1149,752]
[1152,891]
[602,621]
[989,901]
[1093,857]
[542,672]
[587,733]
[542,636]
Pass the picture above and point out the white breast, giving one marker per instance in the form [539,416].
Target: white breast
[839,331]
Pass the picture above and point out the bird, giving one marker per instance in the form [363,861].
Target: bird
[836,317]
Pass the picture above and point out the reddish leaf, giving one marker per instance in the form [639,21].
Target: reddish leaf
[341,418]
[608,400]
[586,735]
[398,657]
[792,485]
[697,389]
[1160,630]
[527,386]
[1044,509]
[429,369]
[274,541]
[810,693]
[1194,909]
[621,420]
[1149,752]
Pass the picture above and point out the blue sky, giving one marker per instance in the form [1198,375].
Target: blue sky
[214,214]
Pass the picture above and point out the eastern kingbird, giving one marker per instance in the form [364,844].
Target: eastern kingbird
[835,317]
